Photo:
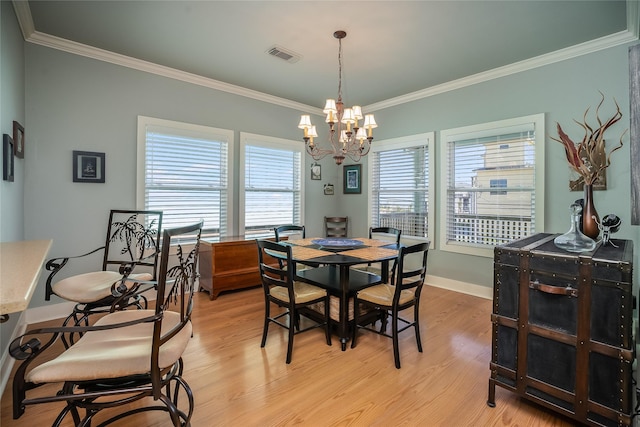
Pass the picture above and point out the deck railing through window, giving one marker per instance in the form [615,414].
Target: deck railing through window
[484,230]
[489,230]
[411,223]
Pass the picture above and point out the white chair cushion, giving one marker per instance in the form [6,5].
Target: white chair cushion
[116,352]
[94,286]
[303,292]
[383,294]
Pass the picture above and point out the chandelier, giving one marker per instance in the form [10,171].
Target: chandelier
[347,138]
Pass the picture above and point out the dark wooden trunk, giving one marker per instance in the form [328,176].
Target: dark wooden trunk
[562,328]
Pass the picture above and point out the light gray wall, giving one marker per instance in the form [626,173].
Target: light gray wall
[78,103]
[12,81]
[75,103]
[12,78]
[562,91]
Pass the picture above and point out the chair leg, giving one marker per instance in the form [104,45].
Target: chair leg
[291,328]
[327,320]
[416,326]
[265,328]
[383,320]
[394,336]
[354,334]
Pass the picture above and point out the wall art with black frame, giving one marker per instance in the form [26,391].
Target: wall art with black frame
[7,158]
[88,166]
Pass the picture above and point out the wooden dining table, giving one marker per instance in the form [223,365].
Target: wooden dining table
[331,260]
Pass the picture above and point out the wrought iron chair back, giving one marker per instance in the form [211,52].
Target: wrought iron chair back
[132,243]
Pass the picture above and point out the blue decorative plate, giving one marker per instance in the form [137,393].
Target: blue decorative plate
[337,243]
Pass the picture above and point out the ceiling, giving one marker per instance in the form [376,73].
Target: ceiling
[393,50]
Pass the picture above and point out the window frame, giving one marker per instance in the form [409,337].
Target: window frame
[268,142]
[495,128]
[410,141]
[192,130]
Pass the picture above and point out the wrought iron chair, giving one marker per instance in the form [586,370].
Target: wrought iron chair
[281,289]
[336,226]
[125,356]
[403,292]
[132,240]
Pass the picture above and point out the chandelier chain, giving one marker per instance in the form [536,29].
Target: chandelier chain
[339,69]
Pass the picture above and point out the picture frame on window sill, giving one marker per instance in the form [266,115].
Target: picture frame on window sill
[352,179]
[88,166]
[18,140]
[7,158]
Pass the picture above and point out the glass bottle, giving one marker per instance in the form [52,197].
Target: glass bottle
[573,240]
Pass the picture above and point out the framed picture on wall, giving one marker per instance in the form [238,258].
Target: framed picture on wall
[7,158]
[352,179]
[18,140]
[316,171]
[328,189]
[88,167]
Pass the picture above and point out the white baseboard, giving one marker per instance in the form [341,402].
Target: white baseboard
[7,362]
[48,312]
[462,287]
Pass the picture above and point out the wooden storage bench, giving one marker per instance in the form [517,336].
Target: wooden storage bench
[231,263]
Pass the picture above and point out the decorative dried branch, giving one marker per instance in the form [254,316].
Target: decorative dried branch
[588,157]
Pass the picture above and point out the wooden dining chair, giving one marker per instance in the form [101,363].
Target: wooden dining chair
[281,289]
[130,251]
[391,298]
[336,226]
[289,230]
[126,356]
[383,233]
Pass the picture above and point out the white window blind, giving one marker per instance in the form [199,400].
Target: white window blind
[491,183]
[273,184]
[186,174]
[400,181]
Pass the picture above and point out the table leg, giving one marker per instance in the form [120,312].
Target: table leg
[384,274]
[343,327]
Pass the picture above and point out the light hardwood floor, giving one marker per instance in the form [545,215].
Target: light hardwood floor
[237,383]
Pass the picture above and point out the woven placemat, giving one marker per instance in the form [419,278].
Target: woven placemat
[303,253]
[374,242]
[301,242]
[371,254]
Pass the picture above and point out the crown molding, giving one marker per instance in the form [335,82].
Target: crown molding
[23,13]
[172,73]
[517,67]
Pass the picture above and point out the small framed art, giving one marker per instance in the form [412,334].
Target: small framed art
[328,189]
[352,179]
[18,140]
[7,158]
[88,167]
[316,171]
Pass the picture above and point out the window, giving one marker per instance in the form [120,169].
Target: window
[498,183]
[492,184]
[271,184]
[400,173]
[183,170]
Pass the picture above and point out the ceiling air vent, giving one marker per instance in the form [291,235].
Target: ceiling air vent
[286,54]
